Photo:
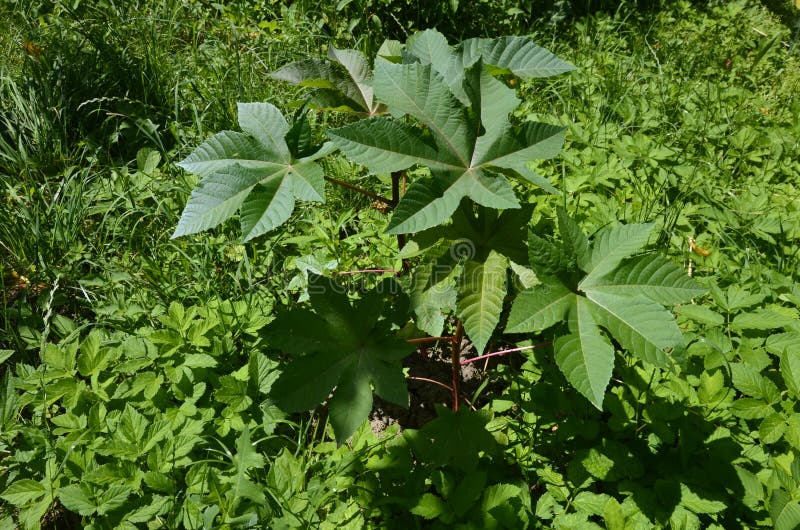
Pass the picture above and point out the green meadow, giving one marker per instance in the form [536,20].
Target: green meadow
[395,264]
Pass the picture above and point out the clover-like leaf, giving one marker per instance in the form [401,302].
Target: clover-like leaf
[341,348]
[256,172]
[465,138]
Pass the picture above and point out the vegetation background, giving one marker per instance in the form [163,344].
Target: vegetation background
[136,374]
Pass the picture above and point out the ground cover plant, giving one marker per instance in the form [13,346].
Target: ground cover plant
[568,277]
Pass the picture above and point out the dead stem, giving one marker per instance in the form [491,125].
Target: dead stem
[503,352]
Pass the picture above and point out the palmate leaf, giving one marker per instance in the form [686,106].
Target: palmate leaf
[455,438]
[518,55]
[432,294]
[343,347]
[575,242]
[467,143]
[255,172]
[515,55]
[625,297]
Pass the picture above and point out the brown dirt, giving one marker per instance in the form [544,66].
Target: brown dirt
[432,362]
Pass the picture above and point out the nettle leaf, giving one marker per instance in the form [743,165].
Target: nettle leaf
[341,83]
[790,370]
[751,383]
[84,500]
[255,172]
[784,510]
[343,346]
[465,138]
[626,297]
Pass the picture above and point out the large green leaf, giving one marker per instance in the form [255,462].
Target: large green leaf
[23,492]
[431,47]
[611,246]
[84,500]
[420,91]
[474,235]
[624,297]
[469,147]
[519,55]
[642,326]
[385,145]
[256,172]
[540,307]
[653,277]
[585,356]
[455,438]
[351,350]
[778,342]
[784,510]
[341,83]
[480,297]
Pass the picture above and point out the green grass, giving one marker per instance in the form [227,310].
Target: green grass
[701,137]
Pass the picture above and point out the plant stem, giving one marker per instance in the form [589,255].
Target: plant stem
[434,381]
[503,352]
[396,188]
[397,176]
[362,191]
[439,383]
[456,364]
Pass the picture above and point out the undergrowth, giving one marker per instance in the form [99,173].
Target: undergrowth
[137,371]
